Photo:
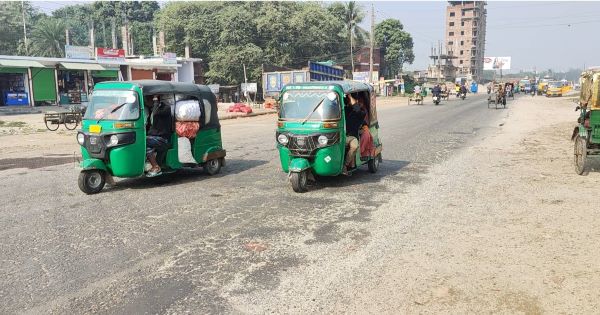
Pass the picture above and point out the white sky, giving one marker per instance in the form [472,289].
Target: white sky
[540,34]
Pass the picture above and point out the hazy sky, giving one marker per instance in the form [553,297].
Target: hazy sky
[541,34]
[534,33]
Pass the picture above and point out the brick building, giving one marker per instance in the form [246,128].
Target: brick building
[465,37]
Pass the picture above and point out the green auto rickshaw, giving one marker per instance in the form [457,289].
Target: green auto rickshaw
[114,127]
[587,133]
[311,130]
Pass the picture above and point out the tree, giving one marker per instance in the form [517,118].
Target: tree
[138,14]
[351,14]
[11,26]
[228,35]
[48,38]
[397,44]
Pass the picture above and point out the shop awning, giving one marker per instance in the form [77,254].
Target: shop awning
[81,66]
[149,66]
[21,63]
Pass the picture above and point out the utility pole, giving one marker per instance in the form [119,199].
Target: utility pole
[68,41]
[351,43]
[24,27]
[372,43]
[245,81]
[92,36]
[113,33]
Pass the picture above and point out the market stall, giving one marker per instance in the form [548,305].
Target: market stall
[73,81]
[14,82]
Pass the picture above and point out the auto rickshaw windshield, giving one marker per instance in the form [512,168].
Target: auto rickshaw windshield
[113,105]
[309,105]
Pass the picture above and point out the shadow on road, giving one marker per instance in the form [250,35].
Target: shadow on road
[185,175]
[362,175]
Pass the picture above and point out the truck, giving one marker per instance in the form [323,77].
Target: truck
[273,82]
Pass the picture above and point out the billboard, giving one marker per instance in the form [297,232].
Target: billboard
[249,87]
[110,55]
[496,63]
[363,76]
[78,52]
[170,58]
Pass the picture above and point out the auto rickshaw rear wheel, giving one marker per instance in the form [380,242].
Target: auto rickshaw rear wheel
[213,167]
[299,181]
[374,164]
[91,181]
[580,155]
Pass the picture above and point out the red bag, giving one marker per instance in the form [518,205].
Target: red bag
[187,129]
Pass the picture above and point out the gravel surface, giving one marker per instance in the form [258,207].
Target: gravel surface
[464,216]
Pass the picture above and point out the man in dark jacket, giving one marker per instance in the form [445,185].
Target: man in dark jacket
[161,128]
[355,119]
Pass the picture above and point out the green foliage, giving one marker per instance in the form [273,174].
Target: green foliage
[351,14]
[11,26]
[228,35]
[397,44]
[139,15]
[48,38]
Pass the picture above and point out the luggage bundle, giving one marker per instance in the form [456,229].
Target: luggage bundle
[240,108]
[187,124]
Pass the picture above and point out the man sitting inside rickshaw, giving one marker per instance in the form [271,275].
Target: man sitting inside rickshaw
[355,118]
[159,133]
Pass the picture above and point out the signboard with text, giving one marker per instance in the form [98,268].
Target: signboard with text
[169,58]
[110,55]
[249,87]
[496,63]
[78,52]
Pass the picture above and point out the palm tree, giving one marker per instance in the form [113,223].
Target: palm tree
[353,15]
[48,38]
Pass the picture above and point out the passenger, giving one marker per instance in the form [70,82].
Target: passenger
[355,119]
[160,131]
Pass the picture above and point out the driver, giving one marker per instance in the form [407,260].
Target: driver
[463,89]
[159,133]
[436,90]
[355,118]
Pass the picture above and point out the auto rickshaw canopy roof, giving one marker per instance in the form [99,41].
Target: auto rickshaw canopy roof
[345,86]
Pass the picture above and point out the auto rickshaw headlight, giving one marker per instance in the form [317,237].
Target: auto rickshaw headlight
[282,139]
[113,140]
[80,138]
[323,140]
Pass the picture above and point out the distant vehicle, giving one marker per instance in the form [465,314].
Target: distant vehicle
[555,88]
[525,86]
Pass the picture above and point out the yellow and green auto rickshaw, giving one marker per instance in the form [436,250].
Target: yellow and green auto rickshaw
[115,124]
[312,131]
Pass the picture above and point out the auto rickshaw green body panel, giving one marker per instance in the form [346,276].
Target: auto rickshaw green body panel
[327,160]
[587,133]
[128,159]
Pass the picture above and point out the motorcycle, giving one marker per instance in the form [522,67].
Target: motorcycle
[463,96]
[436,99]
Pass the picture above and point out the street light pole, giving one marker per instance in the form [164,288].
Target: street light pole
[372,43]
[24,27]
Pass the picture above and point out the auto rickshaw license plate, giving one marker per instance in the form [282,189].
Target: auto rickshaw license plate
[95,128]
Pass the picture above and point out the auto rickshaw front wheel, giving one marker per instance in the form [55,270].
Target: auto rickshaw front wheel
[91,181]
[213,167]
[580,155]
[299,181]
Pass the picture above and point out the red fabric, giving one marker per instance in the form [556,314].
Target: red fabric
[367,148]
[187,129]
[240,108]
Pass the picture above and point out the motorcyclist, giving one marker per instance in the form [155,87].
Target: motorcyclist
[463,90]
[436,91]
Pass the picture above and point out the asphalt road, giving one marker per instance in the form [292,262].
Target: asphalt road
[190,242]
